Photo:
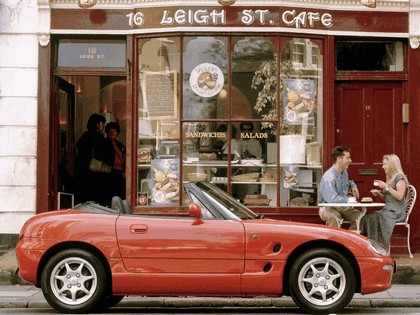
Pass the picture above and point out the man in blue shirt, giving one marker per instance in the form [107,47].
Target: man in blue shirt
[334,187]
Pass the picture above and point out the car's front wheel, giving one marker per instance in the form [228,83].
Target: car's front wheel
[73,281]
[322,281]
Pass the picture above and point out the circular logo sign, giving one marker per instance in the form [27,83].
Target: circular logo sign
[142,199]
[207,80]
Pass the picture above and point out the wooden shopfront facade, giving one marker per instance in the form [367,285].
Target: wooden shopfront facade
[182,80]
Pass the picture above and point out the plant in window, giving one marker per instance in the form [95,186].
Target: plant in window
[265,79]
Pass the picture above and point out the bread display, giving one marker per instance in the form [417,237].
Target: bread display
[208,156]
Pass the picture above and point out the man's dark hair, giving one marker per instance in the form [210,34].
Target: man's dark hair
[93,120]
[224,128]
[247,123]
[339,151]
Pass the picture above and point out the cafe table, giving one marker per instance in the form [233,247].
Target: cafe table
[362,205]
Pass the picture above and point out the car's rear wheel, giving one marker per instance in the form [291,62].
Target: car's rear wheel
[73,281]
[322,281]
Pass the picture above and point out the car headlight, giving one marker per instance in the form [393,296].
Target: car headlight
[378,248]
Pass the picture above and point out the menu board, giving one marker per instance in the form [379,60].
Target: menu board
[159,94]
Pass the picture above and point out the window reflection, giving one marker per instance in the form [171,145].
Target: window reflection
[158,149]
[205,78]
[301,122]
[254,78]
[256,134]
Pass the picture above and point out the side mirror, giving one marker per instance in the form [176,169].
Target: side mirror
[194,210]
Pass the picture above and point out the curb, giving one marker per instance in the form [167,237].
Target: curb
[37,301]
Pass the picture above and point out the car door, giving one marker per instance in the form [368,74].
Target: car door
[182,251]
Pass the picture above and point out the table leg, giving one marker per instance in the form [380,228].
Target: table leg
[362,214]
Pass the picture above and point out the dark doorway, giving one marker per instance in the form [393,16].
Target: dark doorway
[75,99]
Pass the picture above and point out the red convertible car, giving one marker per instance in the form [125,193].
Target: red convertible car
[89,257]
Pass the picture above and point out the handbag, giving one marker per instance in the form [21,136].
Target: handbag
[97,166]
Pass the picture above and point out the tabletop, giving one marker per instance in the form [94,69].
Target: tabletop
[352,204]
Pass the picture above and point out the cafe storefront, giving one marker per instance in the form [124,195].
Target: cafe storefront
[250,97]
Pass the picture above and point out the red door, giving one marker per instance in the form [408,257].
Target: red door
[368,119]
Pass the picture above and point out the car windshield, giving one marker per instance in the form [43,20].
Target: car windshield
[225,203]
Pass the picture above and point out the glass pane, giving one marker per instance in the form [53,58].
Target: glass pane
[299,186]
[301,122]
[158,151]
[205,78]
[254,177]
[369,56]
[206,151]
[254,78]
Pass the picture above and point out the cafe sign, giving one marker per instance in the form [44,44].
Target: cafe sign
[215,17]
[269,18]
[92,53]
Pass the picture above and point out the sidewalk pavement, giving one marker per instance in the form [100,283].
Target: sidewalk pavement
[400,295]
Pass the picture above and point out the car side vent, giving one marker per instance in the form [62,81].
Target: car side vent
[276,248]
[267,267]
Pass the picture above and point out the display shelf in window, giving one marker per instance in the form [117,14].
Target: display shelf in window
[299,185]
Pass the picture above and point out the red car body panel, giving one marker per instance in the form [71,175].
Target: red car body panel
[179,256]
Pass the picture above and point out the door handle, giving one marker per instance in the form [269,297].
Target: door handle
[138,228]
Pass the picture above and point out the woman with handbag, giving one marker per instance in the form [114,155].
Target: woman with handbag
[89,152]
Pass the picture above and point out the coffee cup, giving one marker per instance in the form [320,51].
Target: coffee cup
[376,182]
[351,199]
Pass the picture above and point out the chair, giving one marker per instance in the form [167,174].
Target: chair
[126,207]
[410,201]
[117,204]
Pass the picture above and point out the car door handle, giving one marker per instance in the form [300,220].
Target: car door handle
[138,228]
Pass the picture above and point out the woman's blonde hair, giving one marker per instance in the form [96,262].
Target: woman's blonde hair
[394,165]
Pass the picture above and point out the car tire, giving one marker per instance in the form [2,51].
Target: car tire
[322,281]
[74,281]
[113,300]
[109,301]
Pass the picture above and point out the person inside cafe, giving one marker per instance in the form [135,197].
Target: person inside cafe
[90,185]
[224,145]
[114,155]
[334,188]
[249,148]
[378,225]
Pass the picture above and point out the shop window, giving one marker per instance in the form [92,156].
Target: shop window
[256,134]
[254,177]
[206,151]
[301,122]
[254,78]
[369,56]
[158,123]
[205,78]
